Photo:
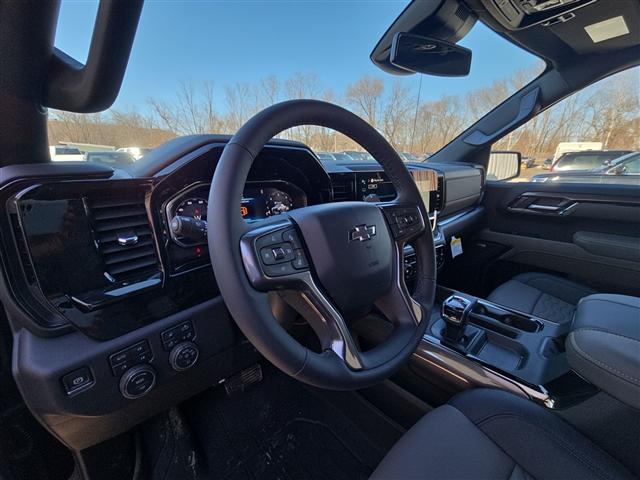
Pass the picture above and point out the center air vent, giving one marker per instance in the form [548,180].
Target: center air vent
[343,185]
[123,237]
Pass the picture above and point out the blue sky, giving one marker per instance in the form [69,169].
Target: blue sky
[242,41]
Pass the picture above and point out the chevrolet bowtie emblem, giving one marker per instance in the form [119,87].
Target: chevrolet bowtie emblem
[362,233]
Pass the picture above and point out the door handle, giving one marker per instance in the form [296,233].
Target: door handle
[545,208]
[542,205]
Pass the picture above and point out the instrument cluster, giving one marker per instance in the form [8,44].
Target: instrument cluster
[187,211]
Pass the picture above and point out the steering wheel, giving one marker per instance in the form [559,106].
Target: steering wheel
[328,260]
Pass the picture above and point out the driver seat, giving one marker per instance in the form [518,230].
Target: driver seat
[492,434]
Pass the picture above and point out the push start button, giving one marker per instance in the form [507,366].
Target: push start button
[137,381]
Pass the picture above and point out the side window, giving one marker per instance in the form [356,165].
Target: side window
[589,137]
[632,167]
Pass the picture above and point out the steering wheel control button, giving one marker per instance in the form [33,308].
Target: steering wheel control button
[184,356]
[291,236]
[300,262]
[404,221]
[77,381]
[278,254]
[134,355]
[267,256]
[137,381]
[279,270]
[270,240]
[175,335]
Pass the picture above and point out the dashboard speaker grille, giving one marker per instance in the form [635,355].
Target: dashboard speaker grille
[123,236]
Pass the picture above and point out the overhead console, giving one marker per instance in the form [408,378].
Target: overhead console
[519,14]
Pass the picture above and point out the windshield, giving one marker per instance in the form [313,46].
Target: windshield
[191,72]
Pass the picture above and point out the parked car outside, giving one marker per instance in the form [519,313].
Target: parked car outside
[528,162]
[341,157]
[136,152]
[409,157]
[359,156]
[587,160]
[326,156]
[622,170]
[112,159]
[547,164]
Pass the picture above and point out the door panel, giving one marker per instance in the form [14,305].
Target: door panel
[589,233]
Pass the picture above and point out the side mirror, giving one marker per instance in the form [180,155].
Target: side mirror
[417,54]
[503,165]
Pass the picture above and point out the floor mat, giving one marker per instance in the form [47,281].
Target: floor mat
[277,429]
[27,451]
[302,449]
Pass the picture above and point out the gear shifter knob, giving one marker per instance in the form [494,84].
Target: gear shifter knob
[455,313]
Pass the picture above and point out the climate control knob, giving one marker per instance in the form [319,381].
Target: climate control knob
[137,381]
[184,356]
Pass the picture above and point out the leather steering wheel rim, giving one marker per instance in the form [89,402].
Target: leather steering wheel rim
[250,308]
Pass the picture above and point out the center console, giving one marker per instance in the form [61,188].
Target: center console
[475,342]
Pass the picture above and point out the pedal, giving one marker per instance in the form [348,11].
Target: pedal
[239,382]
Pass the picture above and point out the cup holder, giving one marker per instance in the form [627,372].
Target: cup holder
[487,311]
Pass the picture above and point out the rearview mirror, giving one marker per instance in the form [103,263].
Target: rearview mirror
[429,55]
[503,165]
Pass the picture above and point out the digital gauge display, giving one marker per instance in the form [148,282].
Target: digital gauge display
[193,207]
[258,203]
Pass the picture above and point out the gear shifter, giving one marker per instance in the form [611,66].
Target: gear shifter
[455,313]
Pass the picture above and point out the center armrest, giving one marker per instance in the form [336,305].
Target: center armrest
[604,345]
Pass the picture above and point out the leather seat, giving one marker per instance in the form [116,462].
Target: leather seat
[545,296]
[492,434]
[604,345]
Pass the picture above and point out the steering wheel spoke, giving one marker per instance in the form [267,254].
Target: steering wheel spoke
[275,260]
[325,320]
[397,304]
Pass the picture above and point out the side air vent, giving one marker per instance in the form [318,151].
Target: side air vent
[436,201]
[462,13]
[343,185]
[23,250]
[123,237]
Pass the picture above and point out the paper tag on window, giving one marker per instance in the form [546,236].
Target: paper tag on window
[456,247]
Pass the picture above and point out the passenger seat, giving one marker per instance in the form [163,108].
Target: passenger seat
[546,296]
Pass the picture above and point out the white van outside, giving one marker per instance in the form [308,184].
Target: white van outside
[566,147]
[64,153]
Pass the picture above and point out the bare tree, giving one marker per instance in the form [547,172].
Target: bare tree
[608,111]
[396,117]
[365,96]
[192,112]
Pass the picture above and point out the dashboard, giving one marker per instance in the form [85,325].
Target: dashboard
[145,304]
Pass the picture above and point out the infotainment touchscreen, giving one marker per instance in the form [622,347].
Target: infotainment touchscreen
[427,182]
[375,184]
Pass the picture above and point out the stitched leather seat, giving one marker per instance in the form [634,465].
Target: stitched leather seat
[492,434]
[546,296]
